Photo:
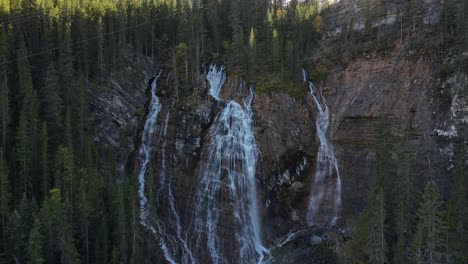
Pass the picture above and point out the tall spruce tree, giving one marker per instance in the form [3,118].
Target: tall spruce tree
[60,241]
[427,241]
[5,198]
[36,244]
[376,246]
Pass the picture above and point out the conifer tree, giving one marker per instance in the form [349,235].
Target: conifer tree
[52,105]
[404,190]
[457,208]
[44,160]
[376,247]
[23,156]
[427,241]
[5,198]
[4,90]
[36,244]
[58,230]
[21,223]
[24,76]
[252,54]
[64,172]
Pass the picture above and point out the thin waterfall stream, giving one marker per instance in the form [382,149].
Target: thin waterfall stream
[326,190]
[145,151]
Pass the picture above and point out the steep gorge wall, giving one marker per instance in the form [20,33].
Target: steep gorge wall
[401,91]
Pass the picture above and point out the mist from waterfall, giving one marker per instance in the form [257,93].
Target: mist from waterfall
[326,189]
[230,170]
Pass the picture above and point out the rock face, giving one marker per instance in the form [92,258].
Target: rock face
[283,166]
[309,245]
[399,92]
[343,16]
[394,90]
[371,90]
[115,108]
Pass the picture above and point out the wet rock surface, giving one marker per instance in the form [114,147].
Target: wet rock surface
[311,245]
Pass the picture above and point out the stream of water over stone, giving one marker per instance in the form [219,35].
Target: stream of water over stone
[325,197]
[229,171]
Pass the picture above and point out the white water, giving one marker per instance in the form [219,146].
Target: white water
[216,77]
[327,182]
[145,152]
[173,241]
[230,170]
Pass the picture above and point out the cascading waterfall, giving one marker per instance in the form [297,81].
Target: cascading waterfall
[145,151]
[230,169]
[327,183]
[173,241]
[216,77]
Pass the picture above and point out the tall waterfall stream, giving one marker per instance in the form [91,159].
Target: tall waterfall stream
[327,182]
[230,168]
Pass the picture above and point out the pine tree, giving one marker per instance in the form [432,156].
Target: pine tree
[34,135]
[276,48]
[23,156]
[58,230]
[427,242]
[457,209]
[35,244]
[64,172]
[252,54]
[121,223]
[376,247]
[24,76]
[4,90]
[21,222]
[44,160]
[5,198]
[68,129]
[404,190]
[52,105]
[100,45]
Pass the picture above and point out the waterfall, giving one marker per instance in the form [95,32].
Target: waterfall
[173,241]
[216,77]
[145,151]
[229,171]
[326,189]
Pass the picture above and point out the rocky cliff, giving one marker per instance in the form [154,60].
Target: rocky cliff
[402,91]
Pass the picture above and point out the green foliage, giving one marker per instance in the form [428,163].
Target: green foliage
[58,230]
[52,104]
[64,171]
[21,221]
[376,246]
[319,73]
[23,156]
[426,244]
[35,244]
[270,84]
[369,243]
[5,198]
[457,208]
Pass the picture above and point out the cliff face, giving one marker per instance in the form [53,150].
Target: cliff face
[116,109]
[396,90]
[399,92]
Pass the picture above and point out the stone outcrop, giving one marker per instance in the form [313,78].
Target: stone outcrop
[117,105]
